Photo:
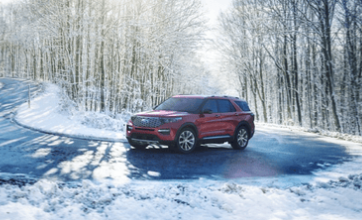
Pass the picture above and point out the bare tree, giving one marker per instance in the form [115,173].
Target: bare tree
[310,55]
[107,55]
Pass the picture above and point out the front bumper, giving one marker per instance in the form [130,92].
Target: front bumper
[144,141]
[145,135]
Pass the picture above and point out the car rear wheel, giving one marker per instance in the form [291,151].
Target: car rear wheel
[241,139]
[186,141]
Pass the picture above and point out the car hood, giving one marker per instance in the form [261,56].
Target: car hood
[162,113]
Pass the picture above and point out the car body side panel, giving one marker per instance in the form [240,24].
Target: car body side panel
[230,121]
[209,125]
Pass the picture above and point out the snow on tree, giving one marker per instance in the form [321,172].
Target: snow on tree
[297,62]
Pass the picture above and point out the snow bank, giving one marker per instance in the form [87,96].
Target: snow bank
[347,137]
[200,199]
[334,193]
[47,114]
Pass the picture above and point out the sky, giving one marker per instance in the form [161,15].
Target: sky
[208,55]
[5,1]
[214,7]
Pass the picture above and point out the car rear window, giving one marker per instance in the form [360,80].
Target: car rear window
[180,104]
[243,105]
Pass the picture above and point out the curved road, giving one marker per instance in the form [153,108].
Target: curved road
[270,153]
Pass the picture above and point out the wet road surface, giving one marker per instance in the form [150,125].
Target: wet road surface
[271,152]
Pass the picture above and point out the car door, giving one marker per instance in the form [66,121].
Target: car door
[209,124]
[228,114]
[246,114]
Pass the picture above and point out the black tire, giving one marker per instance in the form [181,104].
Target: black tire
[186,141]
[241,138]
[137,146]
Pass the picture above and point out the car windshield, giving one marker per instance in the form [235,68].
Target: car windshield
[180,104]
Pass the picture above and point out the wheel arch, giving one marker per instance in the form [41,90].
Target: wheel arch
[188,125]
[243,124]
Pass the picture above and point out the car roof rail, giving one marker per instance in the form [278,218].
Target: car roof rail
[227,96]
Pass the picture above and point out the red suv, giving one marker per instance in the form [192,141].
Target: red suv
[185,121]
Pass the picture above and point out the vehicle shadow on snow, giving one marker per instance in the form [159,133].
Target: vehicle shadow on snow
[161,163]
[266,155]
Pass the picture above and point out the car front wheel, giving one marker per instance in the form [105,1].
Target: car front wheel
[186,141]
[241,139]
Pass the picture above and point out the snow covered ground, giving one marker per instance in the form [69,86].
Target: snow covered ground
[48,114]
[319,131]
[281,198]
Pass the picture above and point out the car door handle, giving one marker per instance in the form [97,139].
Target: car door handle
[236,114]
[217,116]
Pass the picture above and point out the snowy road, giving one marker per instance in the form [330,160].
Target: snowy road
[271,152]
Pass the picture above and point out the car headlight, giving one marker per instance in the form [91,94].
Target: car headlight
[129,127]
[170,120]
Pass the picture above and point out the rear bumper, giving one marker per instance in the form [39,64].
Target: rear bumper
[252,130]
[252,133]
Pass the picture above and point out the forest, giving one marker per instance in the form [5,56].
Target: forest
[107,55]
[296,62]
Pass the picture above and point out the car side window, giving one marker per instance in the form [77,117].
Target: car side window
[243,105]
[210,104]
[225,106]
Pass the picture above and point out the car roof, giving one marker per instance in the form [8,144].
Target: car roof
[209,96]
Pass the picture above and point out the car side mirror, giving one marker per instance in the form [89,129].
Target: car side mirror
[207,111]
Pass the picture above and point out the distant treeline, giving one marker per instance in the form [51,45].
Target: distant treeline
[106,55]
[298,62]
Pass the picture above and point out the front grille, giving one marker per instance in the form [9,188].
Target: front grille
[149,122]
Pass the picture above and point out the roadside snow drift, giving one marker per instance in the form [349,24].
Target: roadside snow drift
[334,193]
[183,200]
[47,115]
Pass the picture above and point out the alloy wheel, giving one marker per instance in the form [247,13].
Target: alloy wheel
[242,137]
[186,140]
